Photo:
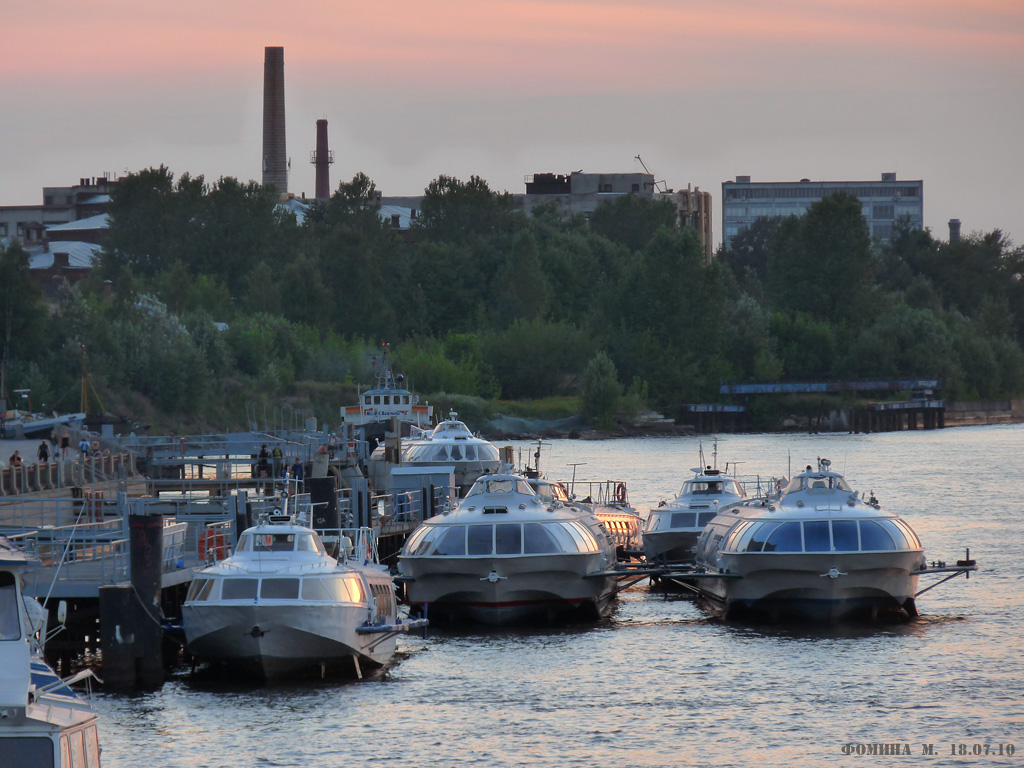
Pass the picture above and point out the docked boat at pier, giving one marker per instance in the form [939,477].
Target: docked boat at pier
[43,722]
[672,528]
[505,556]
[608,500]
[388,400]
[820,552]
[450,443]
[280,604]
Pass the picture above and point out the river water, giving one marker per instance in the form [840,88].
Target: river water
[662,682]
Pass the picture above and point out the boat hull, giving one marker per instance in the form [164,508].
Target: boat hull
[538,589]
[279,640]
[825,587]
[671,546]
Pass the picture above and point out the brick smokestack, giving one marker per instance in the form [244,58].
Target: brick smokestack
[322,159]
[275,154]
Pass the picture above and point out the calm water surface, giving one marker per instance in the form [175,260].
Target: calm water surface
[662,682]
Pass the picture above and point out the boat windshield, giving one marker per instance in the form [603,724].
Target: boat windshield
[280,542]
[709,487]
[551,492]
[485,540]
[500,485]
[818,483]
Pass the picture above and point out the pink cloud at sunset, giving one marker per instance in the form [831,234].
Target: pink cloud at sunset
[501,42]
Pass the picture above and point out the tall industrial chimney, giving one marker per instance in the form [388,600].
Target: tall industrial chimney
[322,158]
[275,154]
[954,230]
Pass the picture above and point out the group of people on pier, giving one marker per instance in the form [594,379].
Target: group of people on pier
[271,464]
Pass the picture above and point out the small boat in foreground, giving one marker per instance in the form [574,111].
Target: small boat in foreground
[504,556]
[43,722]
[821,552]
[280,604]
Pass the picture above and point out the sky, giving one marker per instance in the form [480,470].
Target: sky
[502,89]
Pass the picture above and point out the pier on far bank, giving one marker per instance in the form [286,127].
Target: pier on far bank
[922,410]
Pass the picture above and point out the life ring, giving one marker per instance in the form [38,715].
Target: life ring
[620,493]
[215,543]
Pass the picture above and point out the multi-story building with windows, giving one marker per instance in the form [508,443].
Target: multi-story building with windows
[885,202]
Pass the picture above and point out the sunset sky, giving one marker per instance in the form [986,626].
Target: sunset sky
[819,89]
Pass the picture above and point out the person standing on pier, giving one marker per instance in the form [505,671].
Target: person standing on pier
[278,456]
[83,447]
[297,470]
[263,465]
[43,454]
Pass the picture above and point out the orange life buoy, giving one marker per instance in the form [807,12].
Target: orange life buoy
[215,543]
[620,493]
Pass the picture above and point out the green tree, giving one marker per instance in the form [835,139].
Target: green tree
[632,220]
[23,315]
[600,390]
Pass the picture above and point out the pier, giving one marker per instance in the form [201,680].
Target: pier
[121,535]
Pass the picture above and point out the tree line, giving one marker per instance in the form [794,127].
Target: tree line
[222,297]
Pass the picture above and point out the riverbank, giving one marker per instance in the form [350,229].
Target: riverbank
[957,414]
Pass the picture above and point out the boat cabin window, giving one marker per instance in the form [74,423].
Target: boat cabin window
[702,487]
[336,589]
[201,589]
[367,400]
[10,623]
[453,543]
[422,541]
[844,536]
[309,542]
[683,520]
[279,589]
[786,538]
[480,539]
[538,539]
[273,542]
[816,536]
[376,399]
[911,538]
[387,399]
[759,536]
[883,535]
[35,751]
[238,589]
[508,539]
[874,538]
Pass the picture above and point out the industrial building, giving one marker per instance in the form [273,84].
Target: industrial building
[581,193]
[884,202]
